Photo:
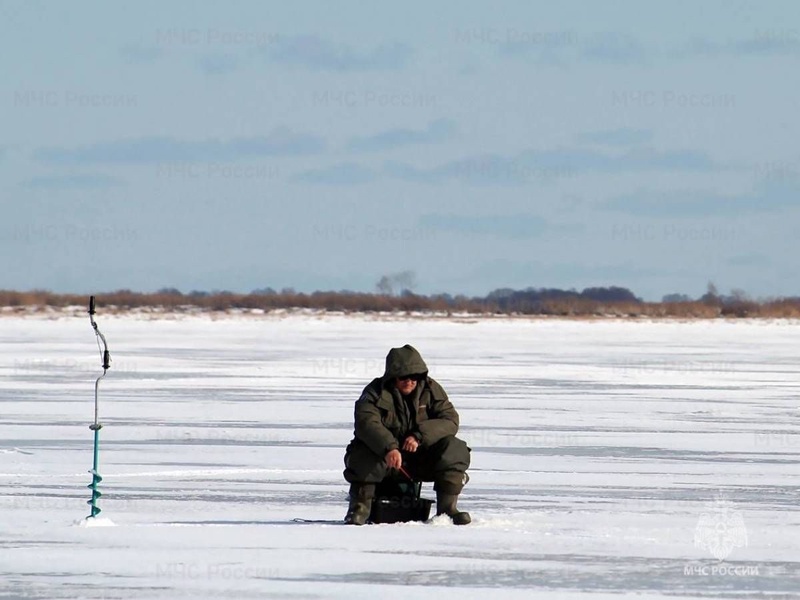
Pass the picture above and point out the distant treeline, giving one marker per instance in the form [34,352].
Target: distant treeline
[595,301]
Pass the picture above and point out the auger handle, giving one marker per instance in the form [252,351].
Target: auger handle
[106,355]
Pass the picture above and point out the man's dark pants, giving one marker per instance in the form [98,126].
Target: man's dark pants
[445,463]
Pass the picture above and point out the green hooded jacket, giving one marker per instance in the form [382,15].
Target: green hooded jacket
[384,418]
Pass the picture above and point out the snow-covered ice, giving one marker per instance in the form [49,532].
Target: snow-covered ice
[610,459]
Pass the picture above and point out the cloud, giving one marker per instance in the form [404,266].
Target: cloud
[138,53]
[613,47]
[750,260]
[490,169]
[10,11]
[617,137]
[697,47]
[341,174]
[524,168]
[549,165]
[766,197]
[218,64]
[502,226]
[762,43]
[561,48]
[153,150]
[438,131]
[788,46]
[316,53]
[62,182]
[639,159]
[548,47]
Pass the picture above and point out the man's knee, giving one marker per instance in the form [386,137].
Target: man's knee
[362,465]
[451,453]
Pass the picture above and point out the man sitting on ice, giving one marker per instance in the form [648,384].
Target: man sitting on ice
[405,420]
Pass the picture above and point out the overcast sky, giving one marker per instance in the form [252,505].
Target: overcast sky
[320,145]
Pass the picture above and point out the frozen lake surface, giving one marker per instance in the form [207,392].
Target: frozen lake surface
[609,459]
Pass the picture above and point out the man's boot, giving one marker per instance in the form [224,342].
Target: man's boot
[361,495]
[446,505]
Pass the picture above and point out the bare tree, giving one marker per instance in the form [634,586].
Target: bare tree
[404,281]
[712,295]
[385,286]
[739,295]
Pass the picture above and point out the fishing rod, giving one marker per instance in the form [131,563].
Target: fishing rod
[97,426]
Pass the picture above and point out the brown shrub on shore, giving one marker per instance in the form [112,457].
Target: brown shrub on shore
[352,302]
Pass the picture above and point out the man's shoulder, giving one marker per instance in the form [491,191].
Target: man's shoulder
[436,388]
[373,390]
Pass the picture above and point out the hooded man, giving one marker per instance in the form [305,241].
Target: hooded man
[404,419]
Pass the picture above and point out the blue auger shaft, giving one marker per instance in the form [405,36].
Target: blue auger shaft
[96,478]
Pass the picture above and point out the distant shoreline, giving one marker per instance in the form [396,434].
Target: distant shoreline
[156,313]
[591,303]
